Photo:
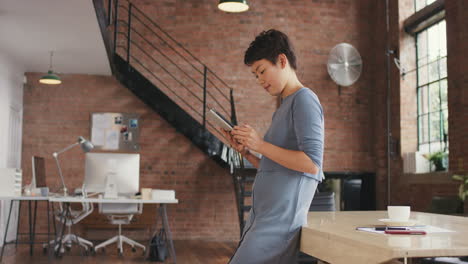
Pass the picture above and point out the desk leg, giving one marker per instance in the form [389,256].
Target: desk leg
[163,213]
[18,225]
[49,250]
[34,228]
[30,228]
[6,231]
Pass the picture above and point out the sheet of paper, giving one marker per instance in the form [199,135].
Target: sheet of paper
[428,228]
[98,136]
[101,121]
[112,140]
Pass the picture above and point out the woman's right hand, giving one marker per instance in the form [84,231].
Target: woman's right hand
[237,146]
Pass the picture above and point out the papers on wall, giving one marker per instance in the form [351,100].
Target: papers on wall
[101,121]
[112,140]
[98,136]
[115,131]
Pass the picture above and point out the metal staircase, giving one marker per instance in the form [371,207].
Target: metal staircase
[173,82]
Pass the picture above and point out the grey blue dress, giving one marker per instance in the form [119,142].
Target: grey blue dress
[281,197]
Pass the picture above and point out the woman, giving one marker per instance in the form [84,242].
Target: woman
[292,153]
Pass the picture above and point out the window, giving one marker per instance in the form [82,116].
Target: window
[431,54]
[420,4]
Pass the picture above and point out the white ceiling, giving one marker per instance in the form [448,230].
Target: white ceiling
[30,29]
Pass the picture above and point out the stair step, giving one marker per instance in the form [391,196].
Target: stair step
[246,208]
[249,179]
[247,194]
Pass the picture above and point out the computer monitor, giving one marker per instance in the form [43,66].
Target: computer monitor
[38,172]
[124,168]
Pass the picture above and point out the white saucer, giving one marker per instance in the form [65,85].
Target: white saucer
[390,222]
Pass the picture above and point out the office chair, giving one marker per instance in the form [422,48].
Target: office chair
[120,214]
[75,216]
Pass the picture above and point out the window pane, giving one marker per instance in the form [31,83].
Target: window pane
[434,126]
[419,4]
[433,71]
[423,129]
[443,38]
[433,42]
[422,76]
[422,100]
[443,93]
[421,39]
[443,67]
[431,59]
[445,116]
[436,146]
[434,97]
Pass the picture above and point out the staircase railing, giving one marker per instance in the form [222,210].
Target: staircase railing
[145,46]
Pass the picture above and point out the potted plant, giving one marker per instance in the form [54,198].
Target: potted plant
[438,159]
[462,189]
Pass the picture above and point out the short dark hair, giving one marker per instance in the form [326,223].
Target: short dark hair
[268,45]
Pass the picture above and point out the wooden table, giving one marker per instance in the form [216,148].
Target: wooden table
[332,237]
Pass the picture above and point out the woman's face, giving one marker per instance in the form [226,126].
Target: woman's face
[270,76]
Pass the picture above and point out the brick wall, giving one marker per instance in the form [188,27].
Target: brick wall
[457,63]
[219,39]
[412,189]
[54,116]
[207,208]
[355,116]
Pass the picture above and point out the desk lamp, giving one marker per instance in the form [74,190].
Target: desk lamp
[86,146]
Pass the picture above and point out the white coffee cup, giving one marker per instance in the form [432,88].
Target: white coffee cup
[399,213]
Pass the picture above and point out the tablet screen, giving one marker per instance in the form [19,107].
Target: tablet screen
[220,120]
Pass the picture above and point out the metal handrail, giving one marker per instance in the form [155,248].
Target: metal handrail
[206,93]
[152,58]
[150,72]
[191,64]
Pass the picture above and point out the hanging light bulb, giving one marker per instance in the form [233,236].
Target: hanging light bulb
[50,77]
[233,6]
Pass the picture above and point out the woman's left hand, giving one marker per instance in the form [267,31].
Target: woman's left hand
[248,137]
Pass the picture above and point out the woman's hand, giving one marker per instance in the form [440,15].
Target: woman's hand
[238,147]
[248,137]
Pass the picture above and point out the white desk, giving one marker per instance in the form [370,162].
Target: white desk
[32,220]
[76,199]
[162,211]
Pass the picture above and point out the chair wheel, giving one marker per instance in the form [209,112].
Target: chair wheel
[120,253]
[133,249]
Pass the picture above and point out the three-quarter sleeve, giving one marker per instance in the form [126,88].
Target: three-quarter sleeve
[309,125]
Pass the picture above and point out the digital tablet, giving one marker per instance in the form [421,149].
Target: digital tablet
[219,120]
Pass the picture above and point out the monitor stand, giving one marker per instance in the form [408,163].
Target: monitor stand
[111,187]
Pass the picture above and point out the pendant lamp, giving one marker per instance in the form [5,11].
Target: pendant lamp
[50,77]
[233,6]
